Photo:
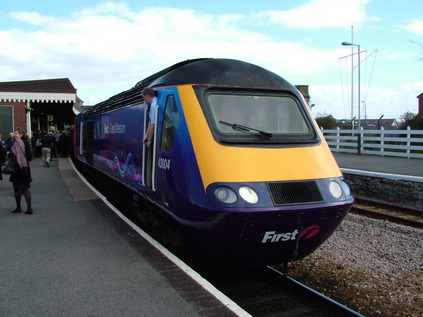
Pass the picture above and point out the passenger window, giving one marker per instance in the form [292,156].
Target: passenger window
[170,124]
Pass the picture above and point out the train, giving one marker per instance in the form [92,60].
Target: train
[239,172]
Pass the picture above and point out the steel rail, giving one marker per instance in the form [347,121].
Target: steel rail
[344,308]
[392,213]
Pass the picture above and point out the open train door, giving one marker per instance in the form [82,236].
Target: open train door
[158,157]
[168,121]
[149,155]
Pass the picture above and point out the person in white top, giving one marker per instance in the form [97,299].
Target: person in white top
[150,98]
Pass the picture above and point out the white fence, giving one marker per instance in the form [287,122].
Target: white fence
[402,143]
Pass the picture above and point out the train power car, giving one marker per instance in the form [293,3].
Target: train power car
[240,173]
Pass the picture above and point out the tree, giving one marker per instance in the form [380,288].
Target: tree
[326,121]
[410,119]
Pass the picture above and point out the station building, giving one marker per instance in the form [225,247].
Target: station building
[420,98]
[38,105]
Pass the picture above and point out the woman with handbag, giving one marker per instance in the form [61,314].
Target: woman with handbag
[2,156]
[21,177]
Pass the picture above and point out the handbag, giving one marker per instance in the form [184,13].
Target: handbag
[9,167]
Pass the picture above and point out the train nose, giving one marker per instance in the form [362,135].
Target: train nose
[276,241]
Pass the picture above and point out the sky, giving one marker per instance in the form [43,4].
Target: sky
[105,47]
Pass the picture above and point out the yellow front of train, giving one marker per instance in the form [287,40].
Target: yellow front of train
[260,160]
[277,190]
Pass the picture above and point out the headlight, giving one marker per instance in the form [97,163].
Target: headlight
[248,194]
[335,189]
[225,195]
[346,188]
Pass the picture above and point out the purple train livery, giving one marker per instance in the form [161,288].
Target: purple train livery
[238,173]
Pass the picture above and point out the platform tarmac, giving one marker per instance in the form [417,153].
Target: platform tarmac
[380,164]
[76,257]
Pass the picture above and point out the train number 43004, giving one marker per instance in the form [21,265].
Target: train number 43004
[164,163]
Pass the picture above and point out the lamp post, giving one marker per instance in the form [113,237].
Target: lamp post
[358,100]
[379,122]
[28,119]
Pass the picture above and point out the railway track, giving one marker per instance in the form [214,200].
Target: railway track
[395,214]
[269,292]
[259,291]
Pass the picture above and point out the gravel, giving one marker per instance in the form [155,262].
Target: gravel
[372,266]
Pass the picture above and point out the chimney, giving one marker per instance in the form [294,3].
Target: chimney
[304,91]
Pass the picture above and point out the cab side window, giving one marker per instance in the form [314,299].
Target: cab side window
[170,124]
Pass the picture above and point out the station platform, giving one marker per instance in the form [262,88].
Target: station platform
[394,181]
[380,164]
[75,256]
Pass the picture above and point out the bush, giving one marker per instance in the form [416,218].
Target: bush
[409,119]
[326,121]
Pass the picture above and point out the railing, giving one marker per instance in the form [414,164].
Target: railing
[402,143]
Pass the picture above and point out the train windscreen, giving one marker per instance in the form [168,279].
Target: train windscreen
[275,117]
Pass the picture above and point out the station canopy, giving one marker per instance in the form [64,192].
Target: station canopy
[44,91]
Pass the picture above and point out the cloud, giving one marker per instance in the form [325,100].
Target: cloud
[415,26]
[111,43]
[120,8]
[318,14]
[392,103]
[107,48]
[33,18]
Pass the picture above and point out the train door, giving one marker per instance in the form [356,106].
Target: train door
[168,124]
[89,149]
[149,155]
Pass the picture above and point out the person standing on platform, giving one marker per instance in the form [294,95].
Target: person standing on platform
[21,178]
[9,140]
[36,143]
[2,156]
[46,144]
[53,152]
[56,142]
[64,144]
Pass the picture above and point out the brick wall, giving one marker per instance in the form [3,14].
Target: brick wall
[19,113]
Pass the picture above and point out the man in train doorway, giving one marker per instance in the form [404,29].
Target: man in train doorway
[150,99]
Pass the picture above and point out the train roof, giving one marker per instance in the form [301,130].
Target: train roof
[202,71]
[224,72]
